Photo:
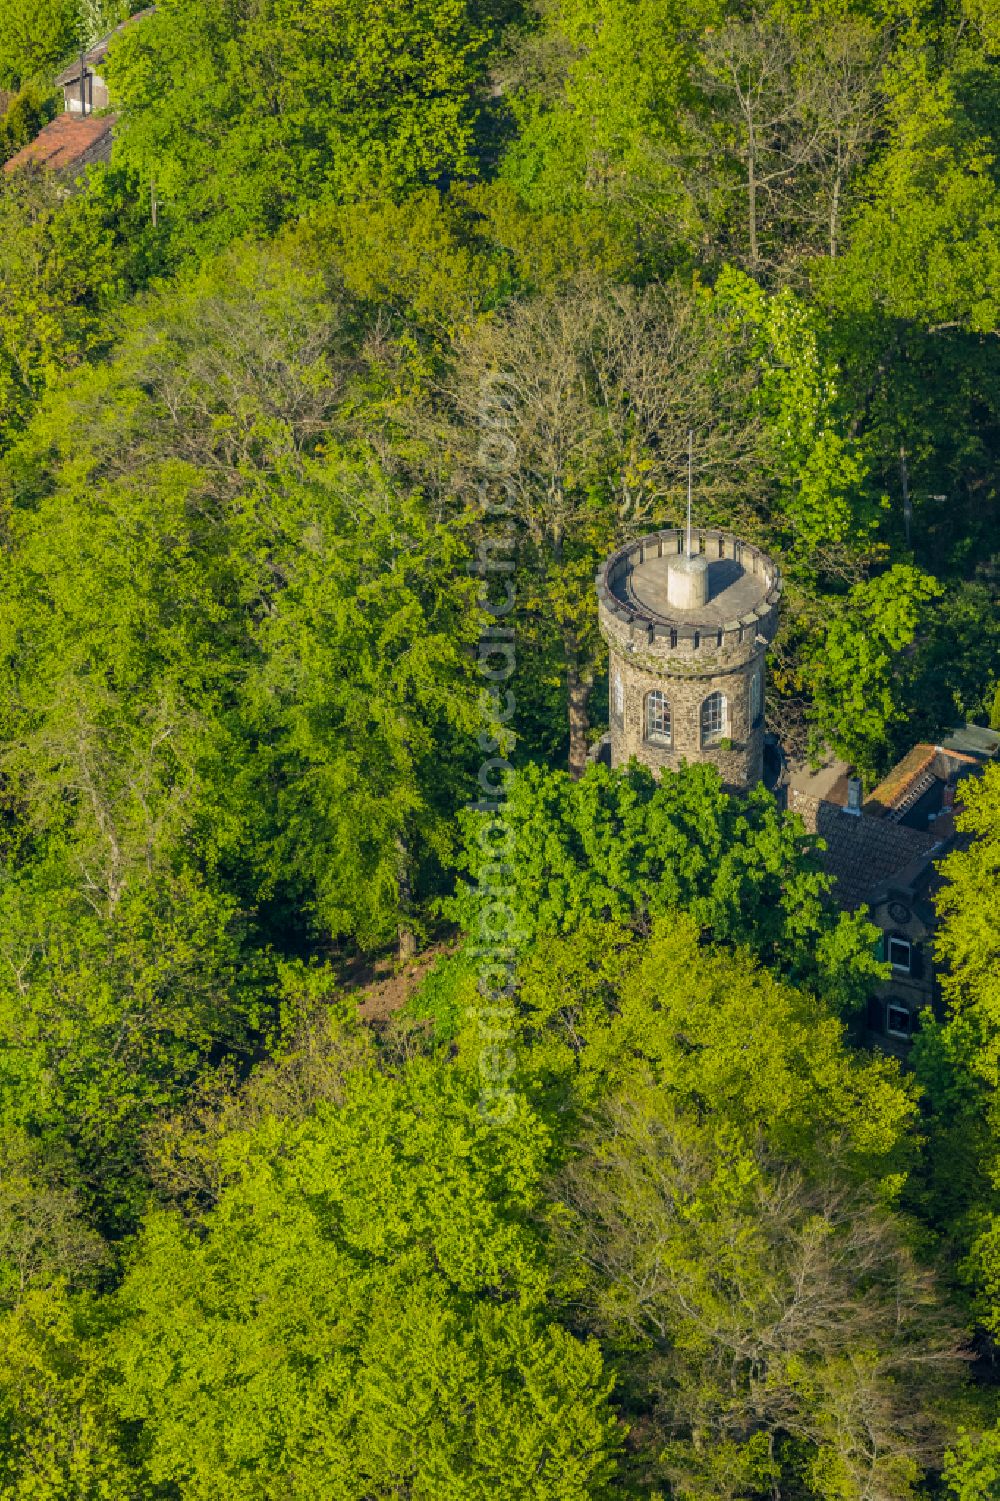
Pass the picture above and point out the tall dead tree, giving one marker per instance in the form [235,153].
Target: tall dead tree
[578,405]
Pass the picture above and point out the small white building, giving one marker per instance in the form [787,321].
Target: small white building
[82,82]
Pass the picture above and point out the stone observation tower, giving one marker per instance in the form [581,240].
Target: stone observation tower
[688,621]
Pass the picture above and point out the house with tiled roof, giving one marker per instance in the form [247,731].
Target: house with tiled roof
[67,144]
[83,133]
[883,852]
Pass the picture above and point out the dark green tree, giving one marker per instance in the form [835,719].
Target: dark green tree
[621,846]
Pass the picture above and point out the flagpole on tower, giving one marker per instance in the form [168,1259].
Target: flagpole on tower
[690,467]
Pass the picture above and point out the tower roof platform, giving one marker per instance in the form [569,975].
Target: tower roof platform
[730,591]
[724,594]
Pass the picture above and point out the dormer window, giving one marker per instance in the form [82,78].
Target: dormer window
[900,954]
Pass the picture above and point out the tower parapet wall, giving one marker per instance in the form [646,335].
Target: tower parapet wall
[701,645]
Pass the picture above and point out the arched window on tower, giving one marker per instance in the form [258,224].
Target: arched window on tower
[756,698]
[617,694]
[713,718]
[658,717]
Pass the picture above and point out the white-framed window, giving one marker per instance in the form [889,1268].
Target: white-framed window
[756,698]
[898,1021]
[617,694]
[658,717]
[899,954]
[713,718]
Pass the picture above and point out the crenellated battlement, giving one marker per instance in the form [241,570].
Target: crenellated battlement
[687,637]
[636,615]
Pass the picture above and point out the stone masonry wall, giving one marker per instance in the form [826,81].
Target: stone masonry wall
[806,806]
[740,766]
[687,660]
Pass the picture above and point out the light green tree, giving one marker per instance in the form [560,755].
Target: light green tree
[958,1064]
[59,275]
[819,512]
[240,117]
[854,669]
[34,39]
[366,1309]
[774,1327]
[30,109]
[58,1439]
[926,245]
[237,706]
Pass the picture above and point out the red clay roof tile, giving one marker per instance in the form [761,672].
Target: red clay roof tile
[64,141]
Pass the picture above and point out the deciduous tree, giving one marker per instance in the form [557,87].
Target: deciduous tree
[241,116]
[620,846]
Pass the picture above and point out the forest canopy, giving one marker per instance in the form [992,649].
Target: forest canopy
[383,325]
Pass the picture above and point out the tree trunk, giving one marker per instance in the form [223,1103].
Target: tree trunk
[752,199]
[405,936]
[578,686]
